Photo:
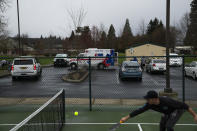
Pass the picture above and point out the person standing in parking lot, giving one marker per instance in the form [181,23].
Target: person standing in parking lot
[142,63]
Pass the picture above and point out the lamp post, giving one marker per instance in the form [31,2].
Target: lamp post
[19,36]
[167,89]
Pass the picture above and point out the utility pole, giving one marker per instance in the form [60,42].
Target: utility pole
[19,36]
[167,89]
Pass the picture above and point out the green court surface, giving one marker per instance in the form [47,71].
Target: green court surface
[100,119]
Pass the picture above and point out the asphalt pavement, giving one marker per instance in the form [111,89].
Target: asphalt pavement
[105,84]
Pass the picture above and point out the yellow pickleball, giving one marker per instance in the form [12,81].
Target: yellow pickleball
[76,113]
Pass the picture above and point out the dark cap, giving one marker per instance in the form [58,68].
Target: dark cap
[151,94]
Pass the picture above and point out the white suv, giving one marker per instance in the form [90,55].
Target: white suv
[25,67]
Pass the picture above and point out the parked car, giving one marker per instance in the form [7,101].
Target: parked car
[3,63]
[130,69]
[156,65]
[25,67]
[175,60]
[191,70]
[61,60]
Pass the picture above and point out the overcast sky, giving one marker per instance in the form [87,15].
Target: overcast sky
[45,17]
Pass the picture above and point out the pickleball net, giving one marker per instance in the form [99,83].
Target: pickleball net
[49,117]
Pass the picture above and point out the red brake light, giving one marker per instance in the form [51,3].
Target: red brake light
[34,67]
[154,65]
[12,68]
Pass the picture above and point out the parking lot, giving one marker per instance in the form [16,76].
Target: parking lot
[105,84]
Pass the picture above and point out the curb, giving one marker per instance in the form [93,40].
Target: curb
[45,66]
[64,78]
[5,75]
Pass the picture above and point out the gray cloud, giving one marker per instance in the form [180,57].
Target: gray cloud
[50,16]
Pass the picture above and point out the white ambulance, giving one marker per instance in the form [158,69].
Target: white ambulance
[100,58]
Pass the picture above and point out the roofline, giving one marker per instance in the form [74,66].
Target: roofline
[141,44]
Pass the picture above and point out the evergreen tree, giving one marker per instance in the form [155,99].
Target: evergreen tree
[150,27]
[126,35]
[72,36]
[71,40]
[111,37]
[191,35]
[127,30]
[86,37]
[153,25]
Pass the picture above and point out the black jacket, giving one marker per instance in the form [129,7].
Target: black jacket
[166,106]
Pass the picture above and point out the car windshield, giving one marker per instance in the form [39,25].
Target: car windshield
[131,65]
[173,56]
[159,61]
[23,62]
[81,55]
[61,55]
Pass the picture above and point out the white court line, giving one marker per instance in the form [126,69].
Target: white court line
[139,126]
[104,124]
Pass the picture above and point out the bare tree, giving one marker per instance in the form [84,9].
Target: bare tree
[96,35]
[142,27]
[183,27]
[3,5]
[3,23]
[102,27]
[184,23]
[77,17]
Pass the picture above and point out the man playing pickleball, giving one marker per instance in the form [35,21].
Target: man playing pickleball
[172,110]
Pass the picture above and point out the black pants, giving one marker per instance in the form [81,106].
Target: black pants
[168,122]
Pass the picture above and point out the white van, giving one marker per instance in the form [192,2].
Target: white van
[101,58]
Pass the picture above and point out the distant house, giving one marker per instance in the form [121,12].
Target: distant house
[145,50]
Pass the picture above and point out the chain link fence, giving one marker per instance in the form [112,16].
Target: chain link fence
[96,82]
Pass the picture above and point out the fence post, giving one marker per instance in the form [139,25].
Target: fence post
[63,101]
[183,77]
[90,84]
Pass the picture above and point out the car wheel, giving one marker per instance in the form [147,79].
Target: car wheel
[194,76]
[73,66]
[14,78]
[140,79]
[151,71]
[36,77]
[101,66]
[122,79]
[40,73]
[146,70]
[185,74]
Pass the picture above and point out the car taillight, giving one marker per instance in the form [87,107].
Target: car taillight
[12,68]
[34,67]
[154,65]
